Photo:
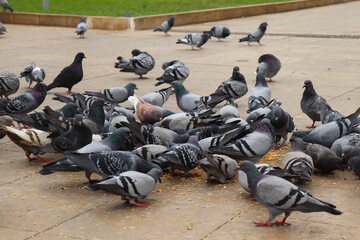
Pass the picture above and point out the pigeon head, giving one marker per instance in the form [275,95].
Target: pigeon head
[278,117]
[39,74]
[265,58]
[265,126]
[263,26]
[298,144]
[135,52]
[130,87]
[226,32]
[156,173]
[70,109]
[260,79]
[120,135]
[171,20]
[250,169]
[78,119]
[79,57]
[82,19]
[309,89]
[166,65]
[6,120]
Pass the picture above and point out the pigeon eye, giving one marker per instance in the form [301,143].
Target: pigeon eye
[243,164]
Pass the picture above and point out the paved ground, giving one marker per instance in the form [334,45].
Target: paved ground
[57,206]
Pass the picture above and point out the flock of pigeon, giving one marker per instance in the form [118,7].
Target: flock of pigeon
[98,135]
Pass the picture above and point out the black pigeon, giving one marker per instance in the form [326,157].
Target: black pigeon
[270,65]
[166,26]
[26,101]
[141,63]
[219,32]
[311,103]
[256,35]
[5,5]
[70,75]
[231,89]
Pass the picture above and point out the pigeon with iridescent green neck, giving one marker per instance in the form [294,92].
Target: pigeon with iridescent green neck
[185,100]
[281,196]
[166,26]
[219,32]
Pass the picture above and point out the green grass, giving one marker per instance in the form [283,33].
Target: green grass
[118,8]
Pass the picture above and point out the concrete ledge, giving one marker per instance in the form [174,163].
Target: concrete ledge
[150,22]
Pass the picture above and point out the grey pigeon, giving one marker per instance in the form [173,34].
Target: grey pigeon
[5,121]
[173,71]
[256,35]
[149,151]
[327,134]
[26,101]
[158,98]
[345,143]
[230,90]
[219,166]
[115,94]
[70,75]
[260,94]
[354,165]
[281,196]
[82,28]
[33,73]
[219,32]
[298,162]
[115,141]
[166,26]
[131,185]
[328,115]
[183,157]
[140,63]
[269,65]
[311,103]
[2,29]
[185,100]
[9,84]
[324,159]
[194,39]
[283,124]
[5,5]
[228,112]
[252,146]
[76,137]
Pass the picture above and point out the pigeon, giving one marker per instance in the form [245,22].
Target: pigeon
[185,100]
[348,154]
[283,124]
[70,75]
[252,146]
[298,162]
[81,28]
[33,73]
[158,98]
[76,137]
[230,90]
[328,115]
[269,65]
[260,94]
[327,134]
[116,141]
[148,113]
[354,165]
[173,71]
[9,84]
[194,39]
[26,101]
[219,32]
[96,118]
[131,185]
[345,143]
[149,151]
[5,121]
[281,196]
[256,35]
[311,103]
[141,63]
[5,5]
[30,140]
[2,29]
[116,94]
[324,159]
[183,156]
[219,166]
[166,26]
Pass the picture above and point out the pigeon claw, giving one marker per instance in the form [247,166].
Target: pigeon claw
[252,199]
[70,92]
[140,204]
[270,80]
[45,160]
[141,77]
[264,224]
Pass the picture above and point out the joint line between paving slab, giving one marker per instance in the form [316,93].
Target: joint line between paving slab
[66,220]
[299,35]
[232,218]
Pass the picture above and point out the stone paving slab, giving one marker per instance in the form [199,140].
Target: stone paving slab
[57,206]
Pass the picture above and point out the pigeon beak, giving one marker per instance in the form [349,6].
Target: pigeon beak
[160,181]
[136,88]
